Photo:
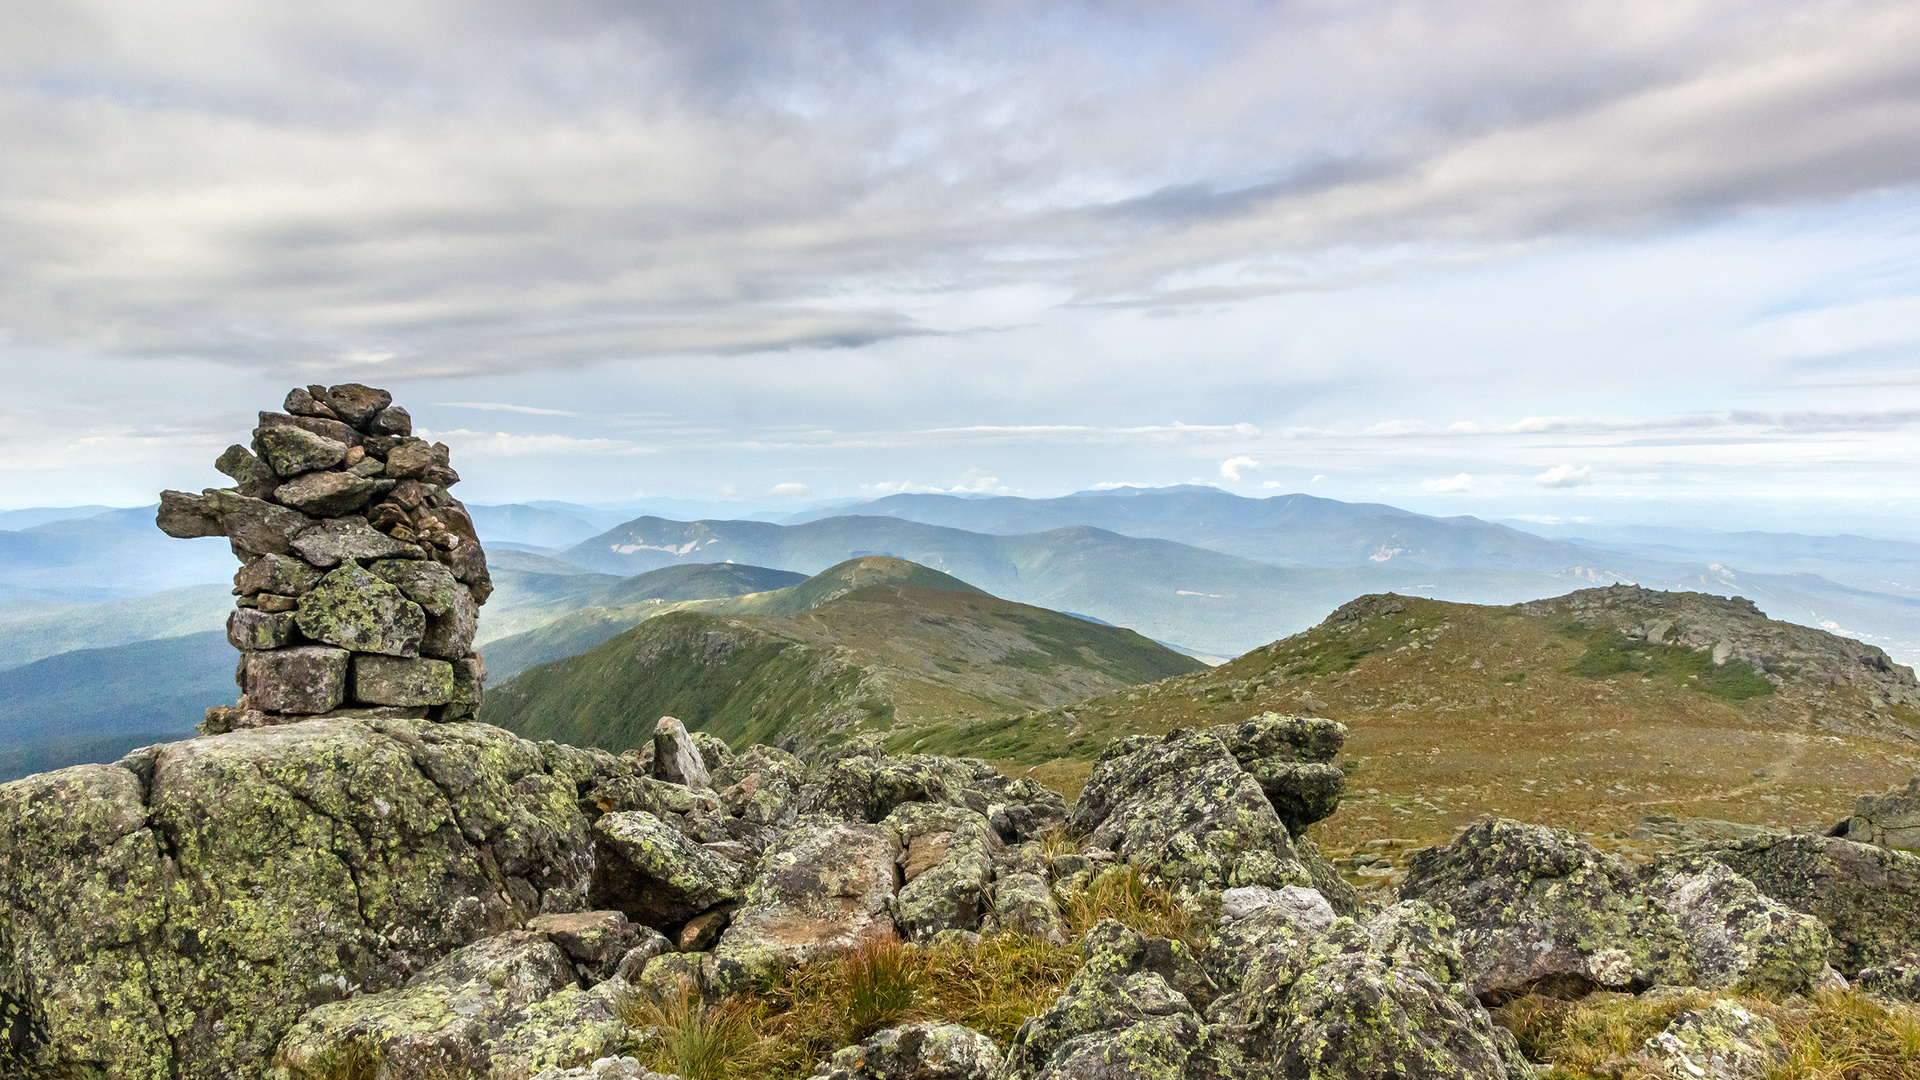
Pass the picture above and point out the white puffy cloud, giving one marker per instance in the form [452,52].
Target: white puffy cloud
[1234,466]
[1446,484]
[1565,476]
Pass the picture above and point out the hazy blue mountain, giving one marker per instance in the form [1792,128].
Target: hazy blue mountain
[119,553]
[90,701]
[28,517]
[1286,530]
[536,526]
[30,631]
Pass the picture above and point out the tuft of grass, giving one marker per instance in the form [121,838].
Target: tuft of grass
[878,978]
[1122,894]
[1836,1036]
[694,1039]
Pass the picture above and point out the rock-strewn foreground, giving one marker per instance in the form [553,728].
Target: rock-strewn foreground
[415,899]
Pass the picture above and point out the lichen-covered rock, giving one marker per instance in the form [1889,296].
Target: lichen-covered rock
[291,451]
[824,887]
[1292,759]
[355,610]
[867,785]
[1894,982]
[946,867]
[1864,893]
[422,581]
[1891,820]
[174,914]
[1183,811]
[305,680]
[1738,937]
[339,540]
[357,403]
[761,785]
[1387,998]
[675,759]
[607,1068]
[1539,908]
[252,526]
[1327,881]
[329,494]
[251,476]
[924,1051]
[1122,1015]
[281,575]
[654,873]
[1720,1042]
[1023,903]
[249,629]
[401,680]
[500,1009]
[596,941]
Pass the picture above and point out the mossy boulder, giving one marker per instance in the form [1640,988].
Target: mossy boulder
[354,610]
[656,874]
[946,868]
[1864,893]
[1183,810]
[1739,937]
[1385,998]
[170,917]
[1722,1041]
[824,888]
[1541,909]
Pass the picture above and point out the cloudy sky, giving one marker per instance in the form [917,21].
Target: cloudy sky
[1640,260]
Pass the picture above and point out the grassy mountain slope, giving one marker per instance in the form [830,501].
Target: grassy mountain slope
[608,607]
[1200,599]
[867,657]
[1548,712]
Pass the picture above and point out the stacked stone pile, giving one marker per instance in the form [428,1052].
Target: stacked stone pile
[361,578]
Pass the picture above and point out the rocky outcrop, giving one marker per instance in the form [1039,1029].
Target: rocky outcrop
[1722,1041]
[1862,892]
[362,578]
[1541,910]
[1388,997]
[1891,820]
[174,914]
[1123,1014]
[826,887]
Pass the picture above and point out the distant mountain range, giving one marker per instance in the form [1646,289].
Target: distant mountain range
[870,644]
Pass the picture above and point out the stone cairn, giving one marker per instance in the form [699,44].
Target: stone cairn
[362,579]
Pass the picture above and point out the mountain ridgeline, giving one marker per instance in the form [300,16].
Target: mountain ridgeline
[868,645]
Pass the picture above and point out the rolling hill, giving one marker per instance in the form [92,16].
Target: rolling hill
[866,645]
[1589,712]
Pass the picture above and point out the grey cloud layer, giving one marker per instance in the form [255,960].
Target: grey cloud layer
[450,188]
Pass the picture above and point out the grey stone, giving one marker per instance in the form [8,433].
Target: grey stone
[252,526]
[1891,820]
[675,759]
[449,635]
[279,574]
[1739,938]
[409,458]
[1540,908]
[356,403]
[923,1051]
[302,402]
[392,420]
[305,679]
[314,425]
[654,873]
[396,680]
[272,603]
[651,943]
[1023,903]
[596,941]
[254,477]
[947,866]
[355,610]
[469,677]
[291,451]
[469,564]
[425,582]
[249,629]
[1863,892]
[1720,1042]
[1304,907]
[824,888]
[1893,982]
[327,494]
[186,517]
[341,539]
[1122,1014]
[1182,810]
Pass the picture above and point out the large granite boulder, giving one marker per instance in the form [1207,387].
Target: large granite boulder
[655,873]
[499,1009]
[1738,937]
[1540,909]
[1183,810]
[1387,998]
[824,888]
[1292,759]
[170,917]
[1863,892]
[1891,820]
[946,868]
